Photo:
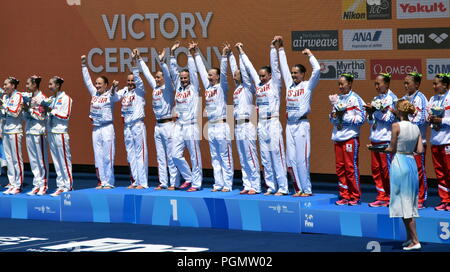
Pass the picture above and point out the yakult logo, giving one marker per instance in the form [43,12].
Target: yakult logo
[407,9]
[399,68]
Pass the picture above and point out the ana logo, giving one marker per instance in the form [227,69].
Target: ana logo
[423,38]
[398,68]
[437,66]
[332,69]
[407,9]
[368,39]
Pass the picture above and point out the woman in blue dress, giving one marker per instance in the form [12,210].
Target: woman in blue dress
[406,141]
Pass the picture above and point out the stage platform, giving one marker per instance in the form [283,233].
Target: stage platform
[315,214]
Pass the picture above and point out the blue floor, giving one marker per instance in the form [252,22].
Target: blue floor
[13,232]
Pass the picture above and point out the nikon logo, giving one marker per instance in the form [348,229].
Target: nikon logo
[351,15]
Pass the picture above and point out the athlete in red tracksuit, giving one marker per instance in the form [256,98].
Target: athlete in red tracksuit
[439,110]
[347,117]
[381,118]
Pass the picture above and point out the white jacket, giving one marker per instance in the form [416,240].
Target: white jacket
[381,124]
[268,94]
[442,136]
[186,99]
[352,120]
[163,96]
[35,117]
[12,113]
[298,97]
[102,104]
[61,107]
[419,101]
[243,94]
[215,95]
[133,101]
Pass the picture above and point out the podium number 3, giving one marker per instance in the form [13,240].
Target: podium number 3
[445,232]
[174,204]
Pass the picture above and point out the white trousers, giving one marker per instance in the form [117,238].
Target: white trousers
[137,155]
[188,136]
[163,142]
[219,139]
[62,159]
[38,156]
[246,145]
[270,133]
[12,144]
[103,141]
[298,148]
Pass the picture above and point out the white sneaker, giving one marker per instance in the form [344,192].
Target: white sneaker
[8,191]
[34,191]
[405,244]
[58,192]
[8,185]
[15,191]
[42,191]
[414,247]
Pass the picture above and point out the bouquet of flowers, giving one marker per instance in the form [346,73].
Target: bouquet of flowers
[436,111]
[339,107]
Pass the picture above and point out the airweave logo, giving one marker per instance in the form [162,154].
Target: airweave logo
[423,38]
[315,40]
[332,69]
[368,39]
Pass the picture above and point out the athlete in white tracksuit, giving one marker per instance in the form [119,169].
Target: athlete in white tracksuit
[163,101]
[12,138]
[35,130]
[298,131]
[219,136]
[58,136]
[186,132]
[270,131]
[244,130]
[103,136]
[135,133]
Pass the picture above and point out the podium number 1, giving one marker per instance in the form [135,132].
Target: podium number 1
[174,203]
[445,232]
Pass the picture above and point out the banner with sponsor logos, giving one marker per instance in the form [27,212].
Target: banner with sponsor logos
[362,37]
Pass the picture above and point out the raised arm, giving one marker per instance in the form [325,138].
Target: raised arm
[173,67]
[315,74]
[248,65]
[201,69]
[147,74]
[285,68]
[193,71]
[224,68]
[137,79]
[274,64]
[87,77]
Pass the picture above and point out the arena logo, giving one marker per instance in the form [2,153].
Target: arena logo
[366,9]
[315,40]
[399,68]
[437,66]
[411,9]
[332,69]
[423,38]
[367,39]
